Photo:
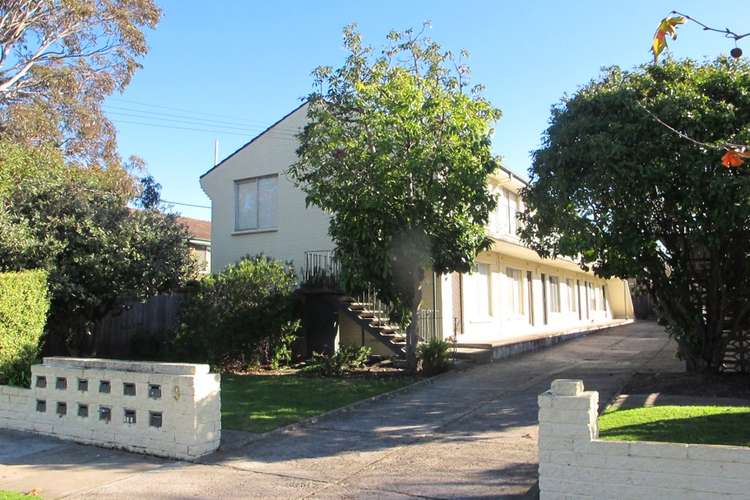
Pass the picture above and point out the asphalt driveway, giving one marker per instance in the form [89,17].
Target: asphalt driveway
[470,434]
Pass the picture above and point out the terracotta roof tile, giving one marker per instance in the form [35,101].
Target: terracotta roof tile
[199,229]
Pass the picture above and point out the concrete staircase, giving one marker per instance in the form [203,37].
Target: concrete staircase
[375,321]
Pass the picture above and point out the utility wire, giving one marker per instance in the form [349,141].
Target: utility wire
[217,131]
[235,119]
[167,202]
[181,121]
[200,121]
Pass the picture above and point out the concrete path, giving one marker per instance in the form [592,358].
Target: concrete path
[466,435]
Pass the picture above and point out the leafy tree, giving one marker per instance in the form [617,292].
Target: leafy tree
[631,198]
[397,150]
[74,222]
[243,315]
[59,59]
[150,196]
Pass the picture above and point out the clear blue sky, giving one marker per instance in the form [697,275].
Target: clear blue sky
[231,68]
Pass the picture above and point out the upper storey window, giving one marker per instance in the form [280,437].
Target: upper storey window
[504,219]
[256,203]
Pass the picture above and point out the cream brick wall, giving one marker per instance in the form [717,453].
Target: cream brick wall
[185,396]
[574,464]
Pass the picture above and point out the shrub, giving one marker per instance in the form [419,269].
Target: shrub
[435,356]
[24,304]
[244,315]
[334,365]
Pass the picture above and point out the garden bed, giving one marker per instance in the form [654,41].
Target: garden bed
[262,401]
[725,425]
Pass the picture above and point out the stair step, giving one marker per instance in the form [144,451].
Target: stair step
[477,355]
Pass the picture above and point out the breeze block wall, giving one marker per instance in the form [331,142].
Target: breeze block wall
[164,409]
[574,464]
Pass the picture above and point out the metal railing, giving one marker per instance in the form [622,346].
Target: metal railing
[322,270]
[429,325]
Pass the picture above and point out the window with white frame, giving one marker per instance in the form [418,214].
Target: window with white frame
[572,306]
[512,213]
[256,203]
[592,296]
[515,291]
[482,290]
[554,294]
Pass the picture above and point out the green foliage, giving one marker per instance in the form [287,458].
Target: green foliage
[397,150]
[74,222]
[243,315]
[435,356]
[346,359]
[631,198]
[67,57]
[23,313]
[281,351]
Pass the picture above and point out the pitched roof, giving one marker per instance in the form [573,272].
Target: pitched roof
[198,229]
[254,138]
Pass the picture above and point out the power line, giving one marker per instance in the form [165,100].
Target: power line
[179,121]
[183,204]
[184,110]
[216,131]
[200,121]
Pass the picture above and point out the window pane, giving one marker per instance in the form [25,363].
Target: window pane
[482,284]
[502,208]
[571,295]
[512,211]
[515,291]
[267,201]
[246,205]
[554,292]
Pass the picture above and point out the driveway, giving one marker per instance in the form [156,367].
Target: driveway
[470,434]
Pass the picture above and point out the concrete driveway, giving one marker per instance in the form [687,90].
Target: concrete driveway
[470,434]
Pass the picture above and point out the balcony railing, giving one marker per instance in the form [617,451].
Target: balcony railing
[323,271]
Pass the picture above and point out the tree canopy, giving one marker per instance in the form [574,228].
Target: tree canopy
[74,222]
[631,198]
[397,150]
[59,59]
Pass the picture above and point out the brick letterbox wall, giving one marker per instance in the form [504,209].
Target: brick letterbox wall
[164,409]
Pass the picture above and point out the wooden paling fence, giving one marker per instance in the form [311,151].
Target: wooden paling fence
[139,329]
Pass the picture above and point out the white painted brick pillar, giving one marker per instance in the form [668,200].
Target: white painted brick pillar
[568,421]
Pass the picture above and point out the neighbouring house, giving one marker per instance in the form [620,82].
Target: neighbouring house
[199,242]
[510,292]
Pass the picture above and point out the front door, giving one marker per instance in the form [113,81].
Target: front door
[457,300]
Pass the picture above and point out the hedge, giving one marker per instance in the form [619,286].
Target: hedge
[24,302]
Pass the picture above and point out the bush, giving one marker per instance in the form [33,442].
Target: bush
[435,356]
[334,365]
[23,313]
[244,315]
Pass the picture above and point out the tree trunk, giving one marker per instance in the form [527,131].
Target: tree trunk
[411,331]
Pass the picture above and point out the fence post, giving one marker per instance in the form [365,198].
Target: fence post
[568,421]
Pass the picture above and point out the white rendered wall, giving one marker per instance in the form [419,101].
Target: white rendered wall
[173,409]
[299,228]
[574,464]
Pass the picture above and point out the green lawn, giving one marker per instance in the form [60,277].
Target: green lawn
[679,424]
[12,495]
[259,403]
